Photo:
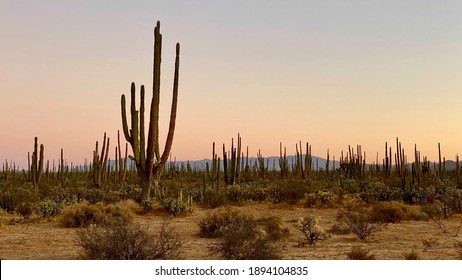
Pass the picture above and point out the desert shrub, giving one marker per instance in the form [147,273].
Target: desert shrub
[83,215]
[177,206]
[215,223]
[245,241]
[389,212]
[412,255]
[312,231]
[358,220]
[379,191]
[290,191]
[436,214]
[214,198]
[25,210]
[12,196]
[273,228]
[146,205]
[129,241]
[48,208]
[350,186]
[339,228]
[58,192]
[319,198]
[433,211]
[448,196]
[246,192]
[359,253]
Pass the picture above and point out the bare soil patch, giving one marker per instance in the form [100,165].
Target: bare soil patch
[49,240]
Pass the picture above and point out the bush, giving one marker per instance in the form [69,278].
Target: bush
[245,241]
[215,224]
[290,191]
[311,230]
[48,208]
[320,198]
[273,228]
[178,206]
[388,212]
[25,210]
[358,220]
[358,253]
[12,196]
[378,191]
[214,198]
[129,241]
[83,215]
[241,236]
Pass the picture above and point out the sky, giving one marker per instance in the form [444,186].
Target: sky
[332,73]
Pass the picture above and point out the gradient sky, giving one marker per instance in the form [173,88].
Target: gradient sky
[332,73]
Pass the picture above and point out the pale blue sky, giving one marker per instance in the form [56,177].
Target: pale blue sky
[333,73]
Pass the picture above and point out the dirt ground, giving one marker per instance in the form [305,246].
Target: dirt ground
[49,240]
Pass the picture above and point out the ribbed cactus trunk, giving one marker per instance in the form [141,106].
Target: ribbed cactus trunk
[146,152]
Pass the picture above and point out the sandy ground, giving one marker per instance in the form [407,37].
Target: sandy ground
[49,240]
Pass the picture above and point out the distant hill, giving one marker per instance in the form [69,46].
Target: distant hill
[273,163]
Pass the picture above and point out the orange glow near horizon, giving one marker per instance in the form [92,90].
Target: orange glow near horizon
[329,73]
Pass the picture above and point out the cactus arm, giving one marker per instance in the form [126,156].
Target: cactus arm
[171,128]
[142,132]
[124,120]
[135,126]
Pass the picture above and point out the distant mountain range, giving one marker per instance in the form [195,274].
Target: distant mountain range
[273,163]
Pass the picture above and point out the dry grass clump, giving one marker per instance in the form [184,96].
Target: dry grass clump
[390,212]
[412,255]
[217,222]
[129,241]
[359,253]
[83,215]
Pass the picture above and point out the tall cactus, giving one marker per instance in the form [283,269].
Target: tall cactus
[149,163]
[36,168]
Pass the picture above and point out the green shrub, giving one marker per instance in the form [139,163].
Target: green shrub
[178,206]
[214,198]
[290,191]
[83,215]
[129,241]
[320,198]
[379,191]
[312,231]
[12,195]
[48,208]
[147,205]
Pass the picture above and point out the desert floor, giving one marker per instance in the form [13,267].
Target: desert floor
[49,240]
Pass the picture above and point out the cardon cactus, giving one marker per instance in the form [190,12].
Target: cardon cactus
[146,151]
